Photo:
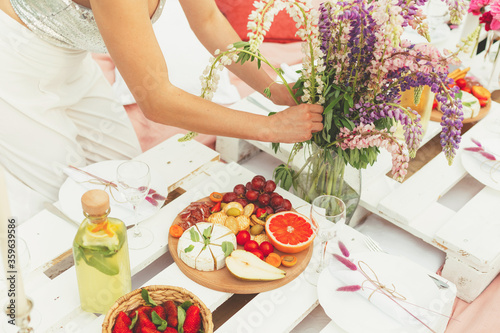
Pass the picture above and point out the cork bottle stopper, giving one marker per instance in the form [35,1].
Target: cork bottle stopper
[95,202]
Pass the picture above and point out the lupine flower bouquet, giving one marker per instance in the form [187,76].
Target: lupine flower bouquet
[356,64]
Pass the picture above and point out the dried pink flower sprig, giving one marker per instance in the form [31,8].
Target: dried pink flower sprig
[480,149]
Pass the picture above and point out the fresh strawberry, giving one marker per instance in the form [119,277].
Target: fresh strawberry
[192,324]
[435,104]
[261,213]
[145,309]
[171,311]
[143,322]
[483,102]
[122,323]
[461,83]
[160,311]
[170,330]
[149,330]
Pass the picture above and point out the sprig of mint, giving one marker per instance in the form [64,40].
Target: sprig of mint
[195,237]
[207,233]
[134,320]
[181,317]
[145,296]
[158,321]
[189,248]
[227,248]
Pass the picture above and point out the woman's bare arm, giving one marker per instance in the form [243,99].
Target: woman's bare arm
[127,31]
[214,32]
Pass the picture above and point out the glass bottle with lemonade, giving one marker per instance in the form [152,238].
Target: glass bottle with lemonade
[101,255]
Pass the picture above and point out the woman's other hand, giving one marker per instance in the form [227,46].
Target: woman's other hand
[297,123]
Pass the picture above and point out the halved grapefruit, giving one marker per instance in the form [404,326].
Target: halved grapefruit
[289,232]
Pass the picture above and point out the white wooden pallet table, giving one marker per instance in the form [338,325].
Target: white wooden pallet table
[55,296]
[470,237]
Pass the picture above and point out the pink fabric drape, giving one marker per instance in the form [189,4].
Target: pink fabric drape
[480,316]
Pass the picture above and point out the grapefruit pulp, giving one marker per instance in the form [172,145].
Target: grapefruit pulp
[289,232]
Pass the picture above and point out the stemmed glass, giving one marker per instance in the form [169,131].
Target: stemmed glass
[328,214]
[134,181]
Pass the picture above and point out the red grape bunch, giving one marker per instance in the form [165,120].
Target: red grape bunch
[261,193]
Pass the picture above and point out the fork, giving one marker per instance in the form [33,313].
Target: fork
[373,246]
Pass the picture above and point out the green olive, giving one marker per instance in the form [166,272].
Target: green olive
[256,229]
[233,212]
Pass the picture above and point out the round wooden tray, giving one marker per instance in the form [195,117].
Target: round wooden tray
[436,115]
[222,280]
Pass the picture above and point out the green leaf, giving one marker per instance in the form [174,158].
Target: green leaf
[189,248]
[134,320]
[332,104]
[275,146]
[186,305]
[240,44]
[145,296]
[195,236]
[349,100]
[227,248]
[207,232]
[158,321]
[181,317]
[267,92]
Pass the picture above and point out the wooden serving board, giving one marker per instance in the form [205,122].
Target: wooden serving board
[223,280]
[436,115]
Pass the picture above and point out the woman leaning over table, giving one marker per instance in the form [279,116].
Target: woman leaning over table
[57,109]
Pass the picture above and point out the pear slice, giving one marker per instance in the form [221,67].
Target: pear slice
[247,266]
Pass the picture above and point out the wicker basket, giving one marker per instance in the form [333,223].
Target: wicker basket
[159,294]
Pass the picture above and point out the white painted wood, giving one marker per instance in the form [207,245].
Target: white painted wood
[474,231]
[469,281]
[235,150]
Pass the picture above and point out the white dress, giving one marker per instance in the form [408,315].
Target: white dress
[56,109]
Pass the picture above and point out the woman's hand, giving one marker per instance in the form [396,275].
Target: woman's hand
[297,123]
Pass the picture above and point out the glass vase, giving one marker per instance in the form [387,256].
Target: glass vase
[323,172]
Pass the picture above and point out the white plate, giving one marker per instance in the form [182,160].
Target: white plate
[480,170]
[354,313]
[71,192]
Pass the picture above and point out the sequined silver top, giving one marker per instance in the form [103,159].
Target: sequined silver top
[65,23]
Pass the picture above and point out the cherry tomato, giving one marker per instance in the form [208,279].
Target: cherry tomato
[435,104]
[266,248]
[461,83]
[258,253]
[242,237]
[251,245]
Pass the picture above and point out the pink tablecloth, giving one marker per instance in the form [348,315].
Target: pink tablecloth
[480,316]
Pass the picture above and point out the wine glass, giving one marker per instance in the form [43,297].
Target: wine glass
[134,180]
[328,214]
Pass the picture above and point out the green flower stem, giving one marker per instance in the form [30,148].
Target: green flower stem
[263,59]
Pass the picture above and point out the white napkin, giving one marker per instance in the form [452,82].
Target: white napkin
[381,301]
